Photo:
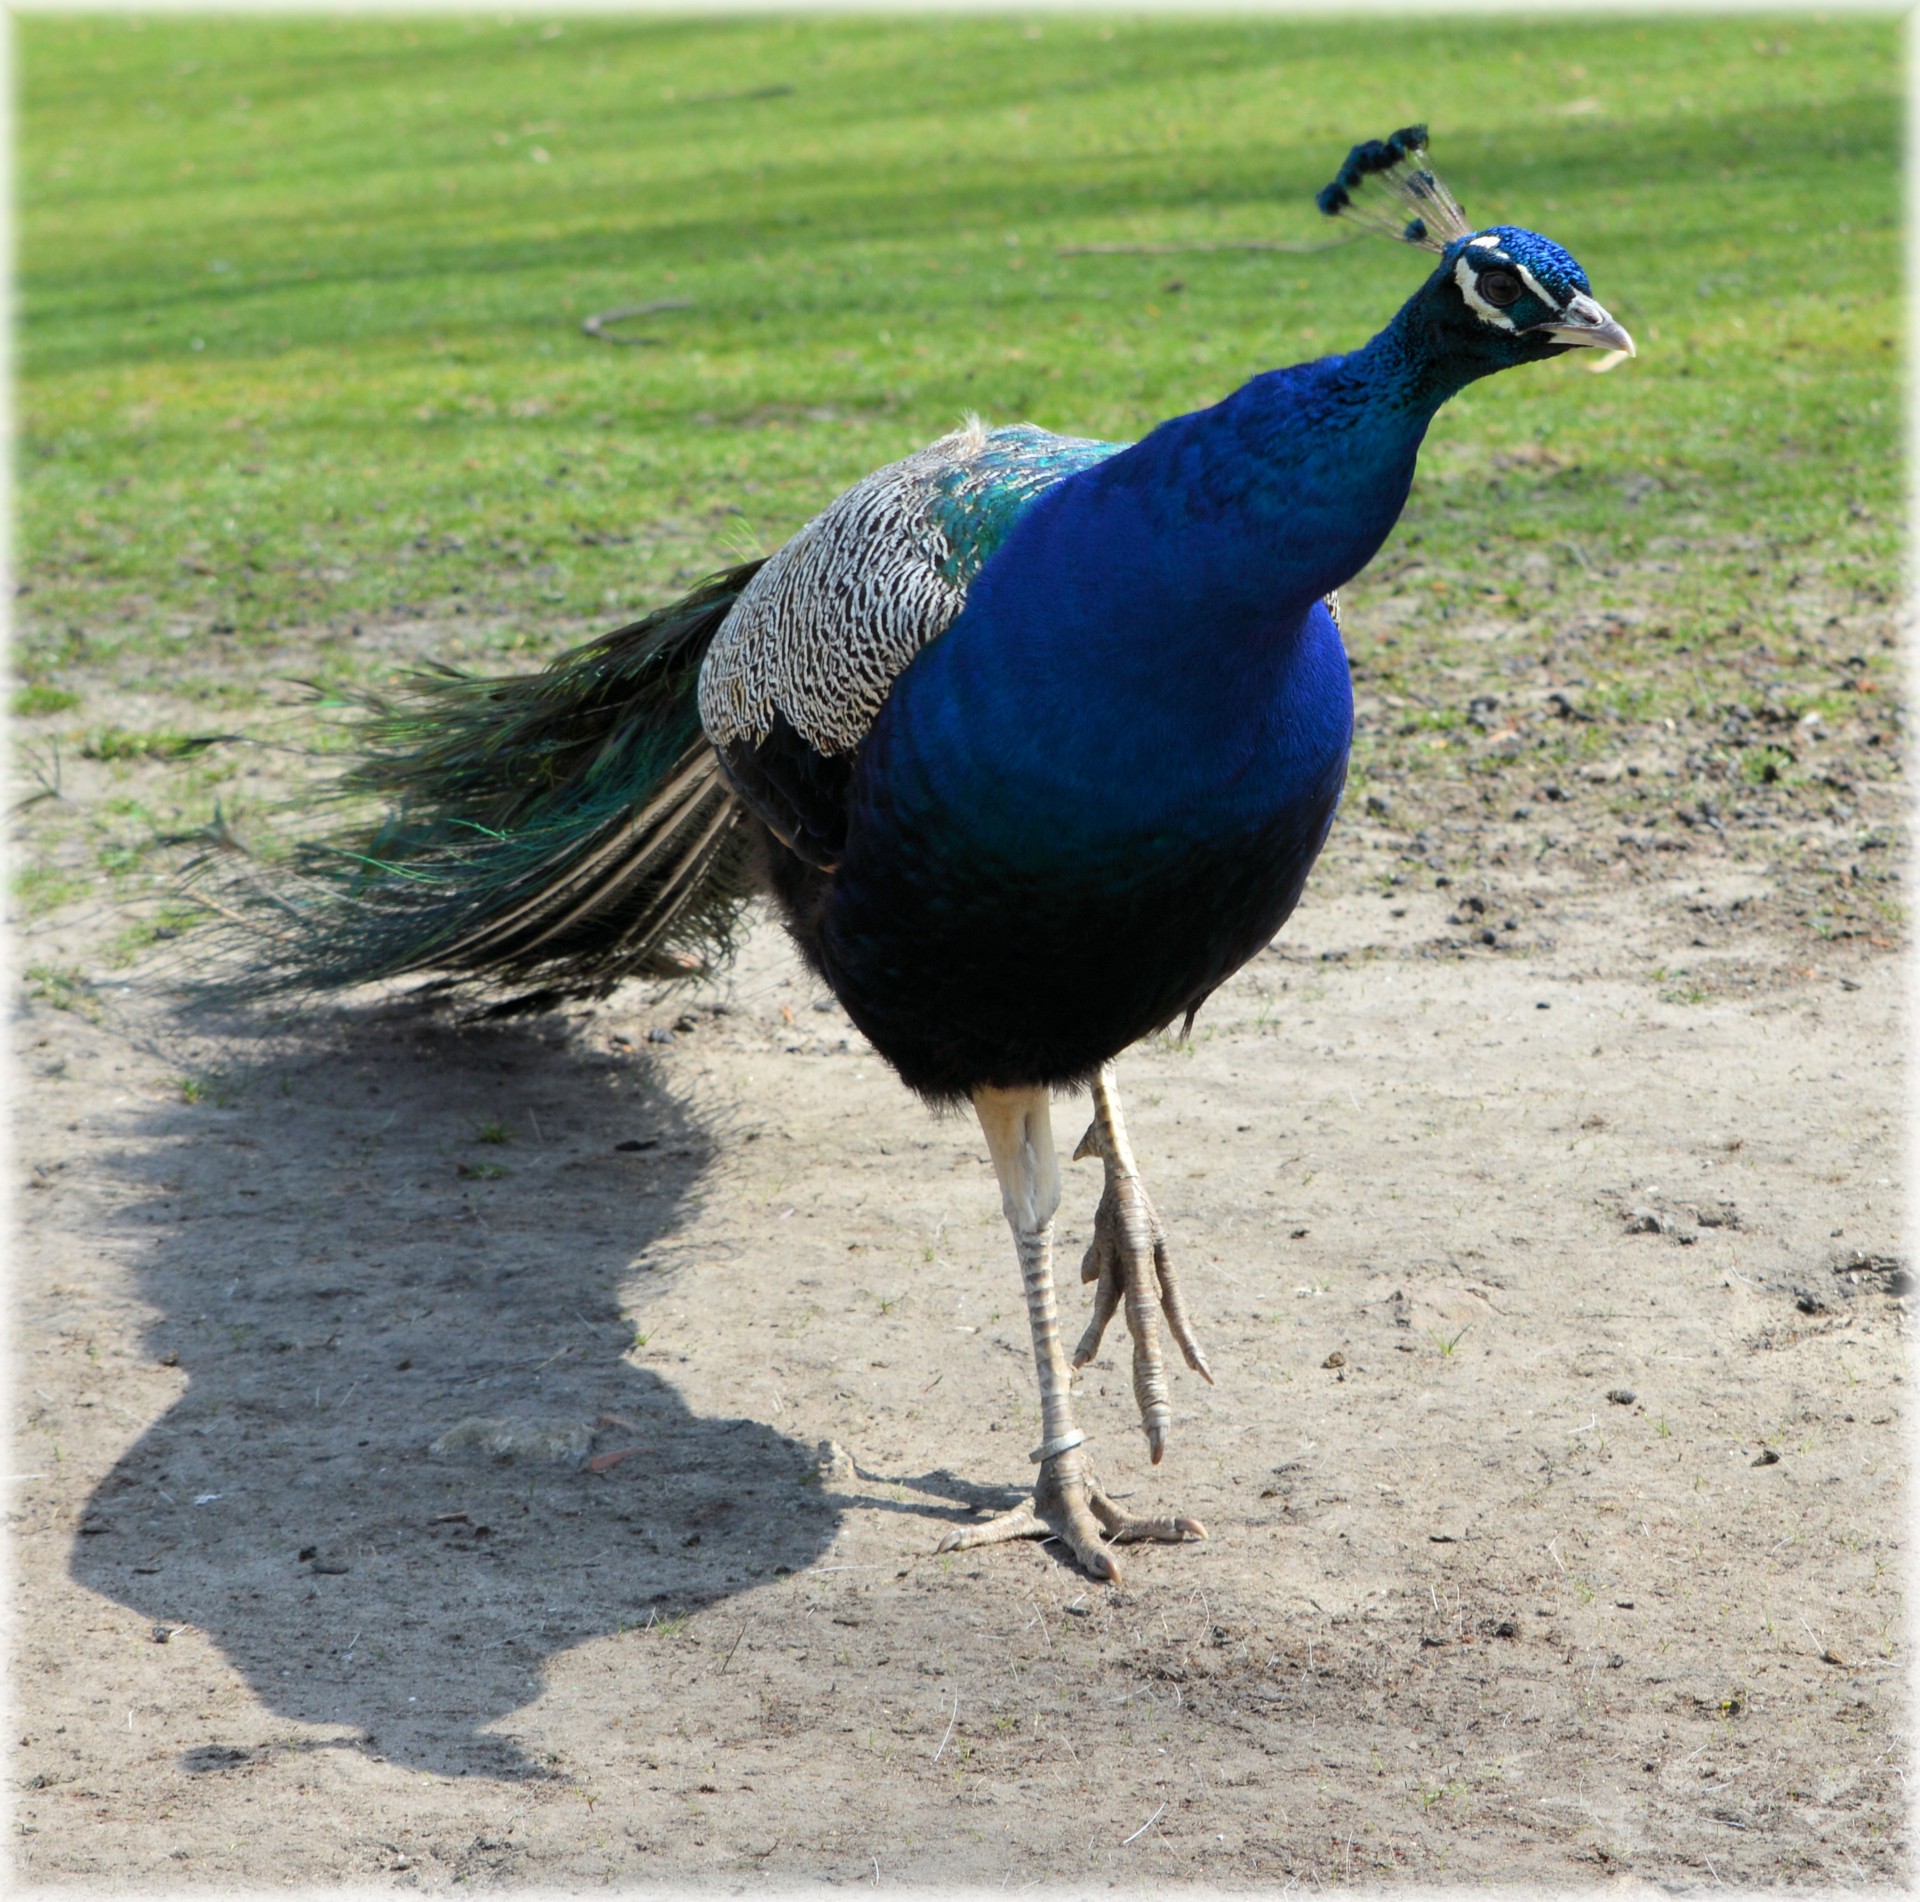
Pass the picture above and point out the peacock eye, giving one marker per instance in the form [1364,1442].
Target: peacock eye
[1499,288]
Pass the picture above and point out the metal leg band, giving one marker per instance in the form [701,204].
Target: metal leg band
[1053,1448]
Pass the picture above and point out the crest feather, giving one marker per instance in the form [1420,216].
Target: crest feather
[1386,185]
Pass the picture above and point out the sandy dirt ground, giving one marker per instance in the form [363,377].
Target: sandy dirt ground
[513,1453]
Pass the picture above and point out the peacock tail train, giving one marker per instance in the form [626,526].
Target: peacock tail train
[552,833]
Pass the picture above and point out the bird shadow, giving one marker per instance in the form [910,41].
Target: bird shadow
[967,1498]
[420,1449]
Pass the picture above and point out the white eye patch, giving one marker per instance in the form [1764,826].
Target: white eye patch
[1535,286]
[1463,275]
[1487,313]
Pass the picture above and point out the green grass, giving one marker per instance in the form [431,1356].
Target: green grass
[299,365]
[300,300]
[216,1089]
[117,743]
[37,889]
[61,988]
[31,703]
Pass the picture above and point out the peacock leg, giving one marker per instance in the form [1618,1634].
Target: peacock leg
[1067,1503]
[1128,1260]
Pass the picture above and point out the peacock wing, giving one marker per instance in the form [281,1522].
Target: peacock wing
[802,665]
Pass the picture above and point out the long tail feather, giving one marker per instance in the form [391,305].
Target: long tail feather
[555,832]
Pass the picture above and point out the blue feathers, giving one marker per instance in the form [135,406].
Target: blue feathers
[1418,208]
[1101,788]
[1555,267]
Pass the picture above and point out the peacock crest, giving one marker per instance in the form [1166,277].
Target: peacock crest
[1386,185]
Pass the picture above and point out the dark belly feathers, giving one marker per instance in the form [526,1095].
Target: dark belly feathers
[1007,981]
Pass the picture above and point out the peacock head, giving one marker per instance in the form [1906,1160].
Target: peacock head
[1499,296]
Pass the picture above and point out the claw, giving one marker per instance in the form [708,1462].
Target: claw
[1129,1261]
[1175,1309]
[1068,1504]
[1105,1301]
[1124,1529]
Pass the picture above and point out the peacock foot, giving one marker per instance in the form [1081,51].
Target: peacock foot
[1129,1262]
[1068,1504]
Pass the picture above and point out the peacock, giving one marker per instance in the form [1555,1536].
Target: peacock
[1032,740]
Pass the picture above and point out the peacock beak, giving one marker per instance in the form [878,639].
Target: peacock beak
[1583,322]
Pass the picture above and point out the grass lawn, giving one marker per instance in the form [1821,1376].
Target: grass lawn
[300,361]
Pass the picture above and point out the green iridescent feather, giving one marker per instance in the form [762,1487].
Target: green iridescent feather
[977,503]
[562,830]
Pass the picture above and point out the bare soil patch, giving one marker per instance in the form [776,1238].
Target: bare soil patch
[513,1452]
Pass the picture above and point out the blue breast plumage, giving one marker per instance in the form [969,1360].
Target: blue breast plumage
[1097,787]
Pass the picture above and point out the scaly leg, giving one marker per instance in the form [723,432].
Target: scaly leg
[1128,1258]
[1067,1503]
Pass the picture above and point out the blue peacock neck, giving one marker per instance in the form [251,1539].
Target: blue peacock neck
[1413,365]
[1311,465]
[1161,602]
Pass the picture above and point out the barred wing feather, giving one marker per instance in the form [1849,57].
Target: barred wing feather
[819,636]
